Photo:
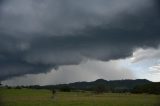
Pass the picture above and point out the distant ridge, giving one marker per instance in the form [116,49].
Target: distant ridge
[100,85]
[112,84]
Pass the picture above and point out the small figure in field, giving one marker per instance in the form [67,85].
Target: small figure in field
[0,84]
[53,93]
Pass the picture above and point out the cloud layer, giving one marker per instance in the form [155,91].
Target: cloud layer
[61,17]
[36,36]
[87,71]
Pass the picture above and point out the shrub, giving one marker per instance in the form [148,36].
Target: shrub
[65,89]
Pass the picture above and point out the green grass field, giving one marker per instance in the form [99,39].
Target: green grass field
[29,97]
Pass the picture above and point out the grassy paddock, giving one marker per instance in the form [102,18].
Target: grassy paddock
[29,97]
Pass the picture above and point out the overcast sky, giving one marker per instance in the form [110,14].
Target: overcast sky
[61,41]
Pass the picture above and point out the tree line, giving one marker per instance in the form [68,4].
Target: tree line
[103,86]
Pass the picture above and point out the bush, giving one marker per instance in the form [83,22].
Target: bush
[18,87]
[65,89]
[99,88]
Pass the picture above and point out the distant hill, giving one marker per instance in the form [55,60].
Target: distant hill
[114,85]
[101,85]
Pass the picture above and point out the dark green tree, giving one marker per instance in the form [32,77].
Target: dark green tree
[65,89]
[100,88]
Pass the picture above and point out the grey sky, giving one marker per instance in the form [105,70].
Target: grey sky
[37,36]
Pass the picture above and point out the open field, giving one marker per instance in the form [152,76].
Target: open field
[29,97]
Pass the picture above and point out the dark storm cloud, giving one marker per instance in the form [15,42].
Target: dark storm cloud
[36,36]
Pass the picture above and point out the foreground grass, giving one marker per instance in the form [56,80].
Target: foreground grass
[29,97]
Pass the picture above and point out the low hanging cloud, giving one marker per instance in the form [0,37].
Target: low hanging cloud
[87,71]
[36,36]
